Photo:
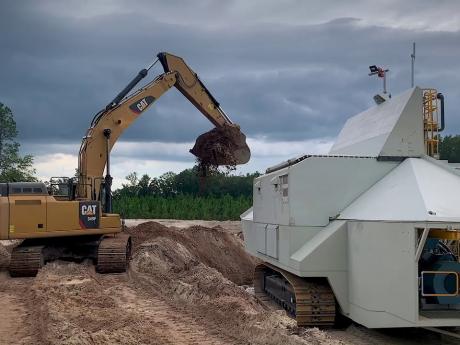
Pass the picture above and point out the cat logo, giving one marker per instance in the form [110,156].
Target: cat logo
[142,104]
[89,214]
[88,210]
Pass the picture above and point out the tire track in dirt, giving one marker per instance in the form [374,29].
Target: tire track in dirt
[15,325]
[83,307]
[173,326]
[13,315]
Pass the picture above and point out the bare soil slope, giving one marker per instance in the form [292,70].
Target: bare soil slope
[184,286]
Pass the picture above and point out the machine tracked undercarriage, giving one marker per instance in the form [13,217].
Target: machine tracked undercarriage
[309,300]
[111,253]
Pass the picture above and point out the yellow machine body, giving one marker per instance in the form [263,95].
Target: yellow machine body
[27,211]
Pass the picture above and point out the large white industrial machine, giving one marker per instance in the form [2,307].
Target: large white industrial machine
[370,230]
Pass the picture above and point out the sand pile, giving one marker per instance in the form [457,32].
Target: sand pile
[213,247]
[200,269]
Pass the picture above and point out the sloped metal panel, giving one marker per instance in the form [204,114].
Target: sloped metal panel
[406,138]
[416,190]
[393,128]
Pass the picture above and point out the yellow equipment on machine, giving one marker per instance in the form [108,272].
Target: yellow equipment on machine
[73,219]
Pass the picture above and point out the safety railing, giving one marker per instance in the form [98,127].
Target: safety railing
[431,122]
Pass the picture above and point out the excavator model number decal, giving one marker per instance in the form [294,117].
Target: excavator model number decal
[142,104]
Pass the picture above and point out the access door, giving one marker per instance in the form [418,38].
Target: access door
[27,215]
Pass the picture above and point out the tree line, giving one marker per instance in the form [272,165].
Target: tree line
[188,182]
[186,195]
[182,206]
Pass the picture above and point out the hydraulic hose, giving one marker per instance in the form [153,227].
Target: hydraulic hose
[440,96]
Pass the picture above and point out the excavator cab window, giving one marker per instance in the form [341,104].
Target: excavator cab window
[59,186]
[63,187]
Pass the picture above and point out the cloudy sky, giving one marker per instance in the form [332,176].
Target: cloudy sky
[290,72]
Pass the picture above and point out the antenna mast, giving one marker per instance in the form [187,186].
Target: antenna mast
[412,65]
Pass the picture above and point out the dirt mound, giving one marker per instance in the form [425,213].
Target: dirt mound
[214,247]
[200,270]
[224,145]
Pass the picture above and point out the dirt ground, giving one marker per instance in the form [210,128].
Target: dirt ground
[187,284]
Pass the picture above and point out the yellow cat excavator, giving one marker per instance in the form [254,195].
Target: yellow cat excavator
[72,218]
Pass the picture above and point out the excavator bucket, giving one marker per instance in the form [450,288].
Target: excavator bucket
[223,145]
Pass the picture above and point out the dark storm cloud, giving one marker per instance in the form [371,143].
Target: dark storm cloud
[279,81]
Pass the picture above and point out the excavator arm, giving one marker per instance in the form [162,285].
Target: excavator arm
[224,145]
[190,85]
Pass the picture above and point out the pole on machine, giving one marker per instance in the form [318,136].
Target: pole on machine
[412,56]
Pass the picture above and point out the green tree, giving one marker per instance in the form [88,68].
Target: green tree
[143,185]
[132,179]
[449,148]
[13,167]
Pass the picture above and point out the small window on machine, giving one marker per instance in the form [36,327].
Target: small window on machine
[27,190]
[284,184]
[284,179]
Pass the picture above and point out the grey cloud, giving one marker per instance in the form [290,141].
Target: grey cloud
[422,14]
[279,81]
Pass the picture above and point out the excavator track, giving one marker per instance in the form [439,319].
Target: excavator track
[309,300]
[113,254]
[26,261]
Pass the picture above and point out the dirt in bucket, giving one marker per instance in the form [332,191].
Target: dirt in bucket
[222,146]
